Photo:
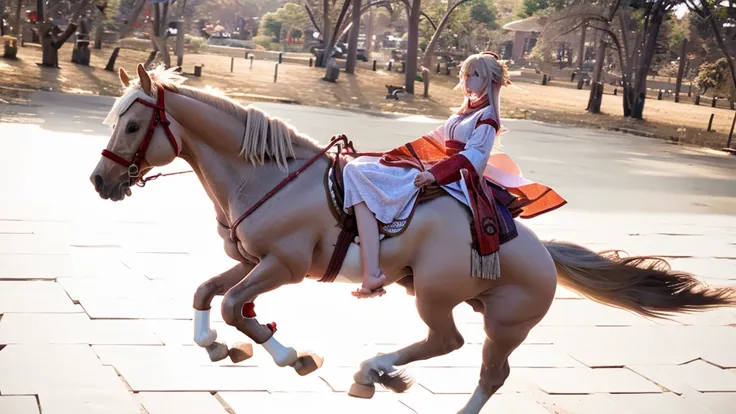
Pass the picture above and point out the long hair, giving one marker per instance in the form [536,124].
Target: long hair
[494,75]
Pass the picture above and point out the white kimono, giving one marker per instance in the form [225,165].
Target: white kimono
[389,191]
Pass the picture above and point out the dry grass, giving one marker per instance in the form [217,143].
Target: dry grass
[558,102]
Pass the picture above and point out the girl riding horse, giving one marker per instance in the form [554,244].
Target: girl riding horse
[377,189]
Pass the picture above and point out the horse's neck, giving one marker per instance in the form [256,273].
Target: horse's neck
[211,144]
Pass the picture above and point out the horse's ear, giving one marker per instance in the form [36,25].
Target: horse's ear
[124,78]
[144,79]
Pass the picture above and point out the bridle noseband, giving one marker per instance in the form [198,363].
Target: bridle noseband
[158,118]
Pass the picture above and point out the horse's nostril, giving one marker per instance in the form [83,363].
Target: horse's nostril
[98,182]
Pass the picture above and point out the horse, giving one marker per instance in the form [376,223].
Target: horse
[290,234]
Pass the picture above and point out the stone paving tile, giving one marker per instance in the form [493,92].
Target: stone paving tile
[698,375]
[465,380]
[170,357]
[15,227]
[720,269]
[180,403]
[131,286]
[526,356]
[716,402]
[18,404]
[31,266]
[584,404]
[265,403]
[35,297]
[589,381]
[176,266]
[134,308]
[112,399]
[498,404]
[666,403]
[35,328]
[43,369]
[588,313]
[31,244]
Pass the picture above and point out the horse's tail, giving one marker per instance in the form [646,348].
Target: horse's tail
[642,284]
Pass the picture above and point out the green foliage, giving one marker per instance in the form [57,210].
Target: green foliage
[544,51]
[531,7]
[263,41]
[715,76]
[289,18]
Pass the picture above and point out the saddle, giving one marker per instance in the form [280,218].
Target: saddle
[335,191]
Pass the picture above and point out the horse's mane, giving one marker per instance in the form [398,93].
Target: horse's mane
[265,137]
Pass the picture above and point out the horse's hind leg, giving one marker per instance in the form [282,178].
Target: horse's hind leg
[442,339]
[203,335]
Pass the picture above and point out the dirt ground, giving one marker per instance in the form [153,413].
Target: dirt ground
[558,102]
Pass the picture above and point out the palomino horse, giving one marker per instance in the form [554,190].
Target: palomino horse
[240,154]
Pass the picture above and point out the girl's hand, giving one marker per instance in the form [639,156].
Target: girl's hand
[423,178]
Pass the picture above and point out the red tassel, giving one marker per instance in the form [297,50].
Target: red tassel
[272,327]
[249,310]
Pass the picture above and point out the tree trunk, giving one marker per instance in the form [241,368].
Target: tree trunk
[99,28]
[581,50]
[681,70]
[369,33]
[326,34]
[412,46]
[594,104]
[16,29]
[637,110]
[2,14]
[134,14]
[40,10]
[353,40]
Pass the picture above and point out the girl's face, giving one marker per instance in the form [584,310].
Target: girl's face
[473,84]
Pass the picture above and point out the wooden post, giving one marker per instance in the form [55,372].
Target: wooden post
[275,72]
[730,134]
[690,90]
[246,54]
[438,68]
[713,102]
[390,63]
[659,94]
[311,62]
[681,69]
[425,79]
[710,122]
[375,65]
[251,62]
[697,99]
[615,91]
[232,64]
[281,57]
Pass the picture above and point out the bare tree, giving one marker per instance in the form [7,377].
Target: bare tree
[632,29]
[52,38]
[451,6]
[704,9]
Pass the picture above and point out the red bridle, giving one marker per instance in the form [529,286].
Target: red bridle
[158,118]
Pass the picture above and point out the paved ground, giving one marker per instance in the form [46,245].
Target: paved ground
[95,297]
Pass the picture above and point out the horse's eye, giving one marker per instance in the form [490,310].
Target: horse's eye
[132,128]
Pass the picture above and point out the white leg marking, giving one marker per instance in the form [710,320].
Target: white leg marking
[203,335]
[281,355]
[476,403]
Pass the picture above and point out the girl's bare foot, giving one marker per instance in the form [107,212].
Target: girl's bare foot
[372,287]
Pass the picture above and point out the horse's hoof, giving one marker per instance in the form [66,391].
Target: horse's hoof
[308,363]
[398,381]
[240,352]
[362,391]
[217,351]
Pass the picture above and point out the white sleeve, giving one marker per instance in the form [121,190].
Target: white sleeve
[478,148]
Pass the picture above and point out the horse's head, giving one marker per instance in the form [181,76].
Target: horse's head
[143,137]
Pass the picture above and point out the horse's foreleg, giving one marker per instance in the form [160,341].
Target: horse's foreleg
[442,339]
[203,335]
[238,310]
